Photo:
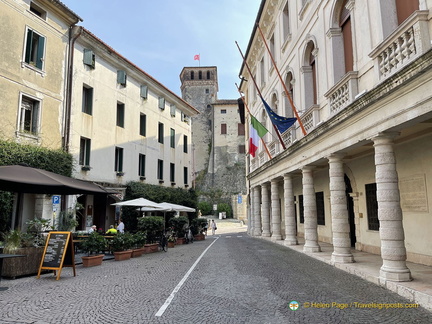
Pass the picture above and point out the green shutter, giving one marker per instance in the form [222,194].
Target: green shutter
[87,156]
[162,103]
[28,46]
[40,52]
[89,58]
[144,91]
[121,77]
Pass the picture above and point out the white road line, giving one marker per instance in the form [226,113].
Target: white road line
[239,235]
[177,288]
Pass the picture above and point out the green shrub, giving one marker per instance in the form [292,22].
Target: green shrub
[198,225]
[205,207]
[93,243]
[152,226]
[178,223]
[223,207]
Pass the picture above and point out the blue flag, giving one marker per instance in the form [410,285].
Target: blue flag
[282,123]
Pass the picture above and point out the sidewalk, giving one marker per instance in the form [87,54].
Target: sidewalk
[367,266]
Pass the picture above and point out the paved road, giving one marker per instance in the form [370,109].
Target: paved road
[237,280]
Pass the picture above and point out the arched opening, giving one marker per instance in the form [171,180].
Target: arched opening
[350,207]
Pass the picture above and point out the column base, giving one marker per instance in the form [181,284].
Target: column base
[265,234]
[276,237]
[311,248]
[395,274]
[290,241]
[256,234]
[342,258]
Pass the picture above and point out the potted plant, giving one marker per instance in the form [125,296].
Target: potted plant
[152,226]
[198,228]
[139,239]
[119,246]
[171,241]
[93,243]
[30,244]
[178,225]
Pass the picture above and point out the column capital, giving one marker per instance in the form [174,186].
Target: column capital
[334,157]
[308,168]
[385,137]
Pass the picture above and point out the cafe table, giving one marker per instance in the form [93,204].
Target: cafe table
[4,256]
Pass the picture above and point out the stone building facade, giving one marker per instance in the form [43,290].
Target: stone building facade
[359,73]
[217,134]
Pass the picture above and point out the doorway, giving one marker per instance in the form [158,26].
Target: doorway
[350,207]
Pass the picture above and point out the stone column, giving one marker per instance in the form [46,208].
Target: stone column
[339,211]
[265,209]
[257,211]
[391,230]
[290,223]
[275,211]
[310,211]
[251,215]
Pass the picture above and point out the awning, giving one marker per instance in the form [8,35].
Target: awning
[24,179]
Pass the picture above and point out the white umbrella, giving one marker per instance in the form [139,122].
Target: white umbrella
[175,207]
[140,202]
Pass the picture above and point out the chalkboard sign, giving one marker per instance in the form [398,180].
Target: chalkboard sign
[58,253]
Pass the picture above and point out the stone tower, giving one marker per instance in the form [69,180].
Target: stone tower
[217,138]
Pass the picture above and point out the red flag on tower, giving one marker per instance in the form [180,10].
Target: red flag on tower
[196,57]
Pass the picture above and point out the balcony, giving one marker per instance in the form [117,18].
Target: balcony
[410,40]
[311,118]
[343,92]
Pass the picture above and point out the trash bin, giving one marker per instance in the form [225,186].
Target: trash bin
[220,215]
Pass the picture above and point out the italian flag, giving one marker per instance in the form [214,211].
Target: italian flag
[257,131]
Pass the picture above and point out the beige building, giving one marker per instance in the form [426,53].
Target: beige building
[359,73]
[124,126]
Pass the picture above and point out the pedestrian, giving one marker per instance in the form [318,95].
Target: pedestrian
[120,227]
[92,229]
[111,230]
[213,226]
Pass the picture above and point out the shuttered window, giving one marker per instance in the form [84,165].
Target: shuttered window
[29,116]
[35,48]
[372,206]
[121,77]
[144,91]
[89,58]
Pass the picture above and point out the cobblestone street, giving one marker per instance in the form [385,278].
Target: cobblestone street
[238,280]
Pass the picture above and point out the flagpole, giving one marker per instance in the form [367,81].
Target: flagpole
[283,83]
[244,102]
[259,92]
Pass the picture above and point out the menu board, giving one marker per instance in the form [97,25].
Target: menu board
[58,253]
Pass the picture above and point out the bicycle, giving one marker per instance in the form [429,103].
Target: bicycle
[163,243]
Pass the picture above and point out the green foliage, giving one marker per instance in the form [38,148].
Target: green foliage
[152,226]
[36,227]
[139,239]
[223,207]
[178,223]
[205,207]
[6,205]
[157,194]
[93,243]
[198,225]
[121,242]
[66,221]
[12,241]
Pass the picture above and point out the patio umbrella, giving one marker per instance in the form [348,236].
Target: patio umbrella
[139,202]
[24,179]
[175,207]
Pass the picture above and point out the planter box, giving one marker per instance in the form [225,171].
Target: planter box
[171,244]
[28,265]
[122,255]
[199,237]
[150,248]
[180,241]
[91,261]
[137,252]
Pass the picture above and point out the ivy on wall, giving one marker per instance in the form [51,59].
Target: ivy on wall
[11,153]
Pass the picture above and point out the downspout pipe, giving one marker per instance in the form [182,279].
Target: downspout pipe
[72,40]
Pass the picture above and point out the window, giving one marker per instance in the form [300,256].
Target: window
[29,116]
[143,120]
[285,22]
[372,207]
[223,111]
[144,91]
[345,24]
[118,163]
[160,170]
[87,100]
[405,8]
[242,149]
[161,103]
[120,114]
[192,75]
[272,48]
[319,196]
[35,47]
[262,73]
[172,172]
[200,75]
[223,129]
[141,165]
[185,144]
[208,75]
[172,138]
[161,133]
[84,154]
[185,175]
[38,11]
[301,209]
[173,110]
[240,129]
[121,77]
[207,91]
[89,58]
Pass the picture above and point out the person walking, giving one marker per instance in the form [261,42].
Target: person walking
[213,227]
[120,227]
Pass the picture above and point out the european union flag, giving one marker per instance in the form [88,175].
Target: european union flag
[282,123]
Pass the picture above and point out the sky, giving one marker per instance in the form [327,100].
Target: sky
[162,37]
